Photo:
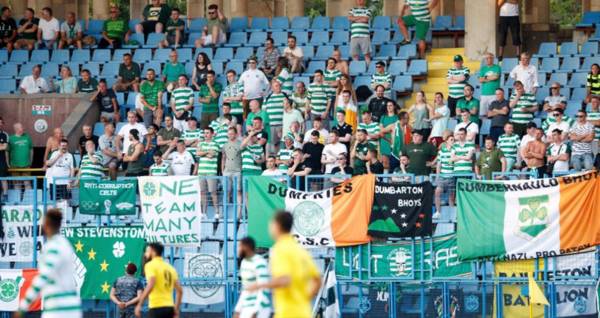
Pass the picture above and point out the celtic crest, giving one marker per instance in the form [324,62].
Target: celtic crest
[309,218]
[207,267]
[9,289]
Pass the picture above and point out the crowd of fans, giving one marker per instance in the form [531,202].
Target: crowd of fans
[260,122]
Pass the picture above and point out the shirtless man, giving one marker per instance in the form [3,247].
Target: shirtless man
[53,142]
[533,154]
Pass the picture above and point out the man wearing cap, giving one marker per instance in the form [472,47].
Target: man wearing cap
[420,155]
[420,18]
[126,292]
[457,78]
[382,77]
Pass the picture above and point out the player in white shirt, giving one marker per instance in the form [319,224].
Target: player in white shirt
[181,160]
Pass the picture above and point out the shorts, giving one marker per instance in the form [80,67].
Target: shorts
[484,104]
[446,183]
[121,86]
[233,177]
[113,162]
[161,312]
[208,40]
[107,115]
[422,27]
[211,182]
[361,45]
[275,134]
[180,125]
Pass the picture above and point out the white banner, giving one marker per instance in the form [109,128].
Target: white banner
[171,210]
[207,267]
[575,300]
[11,281]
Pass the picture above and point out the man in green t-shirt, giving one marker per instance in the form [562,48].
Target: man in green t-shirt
[490,160]
[209,98]
[175,30]
[172,70]
[115,31]
[129,75]
[20,150]
[150,106]
[420,154]
[489,77]
[359,153]
[470,103]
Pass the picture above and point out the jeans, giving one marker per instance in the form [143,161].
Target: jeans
[510,162]
[496,132]
[585,161]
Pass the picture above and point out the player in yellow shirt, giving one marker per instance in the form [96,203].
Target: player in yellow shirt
[161,279]
[295,277]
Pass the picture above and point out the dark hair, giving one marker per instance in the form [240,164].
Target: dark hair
[331,59]
[582,111]
[5,8]
[54,218]
[135,133]
[489,138]
[211,72]
[30,10]
[102,81]
[317,118]
[378,86]
[470,87]
[364,131]
[213,7]
[367,111]
[403,114]
[151,70]
[157,153]
[131,269]
[231,71]
[500,89]
[227,116]
[249,243]
[155,126]
[315,133]
[176,9]
[258,118]
[334,132]
[559,110]
[85,70]
[169,116]
[558,131]
[292,37]
[48,9]
[212,131]
[440,93]
[204,57]
[64,140]
[517,83]
[319,72]
[464,110]
[127,54]
[285,220]
[463,130]
[531,124]
[234,129]
[269,39]
[227,104]
[158,248]
[374,151]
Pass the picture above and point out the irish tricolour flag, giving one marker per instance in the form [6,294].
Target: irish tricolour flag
[337,216]
[528,218]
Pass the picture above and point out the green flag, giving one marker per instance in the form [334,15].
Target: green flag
[102,255]
[107,197]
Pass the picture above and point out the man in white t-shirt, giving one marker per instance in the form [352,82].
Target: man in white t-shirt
[61,167]
[254,82]
[123,134]
[181,160]
[48,29]
[294,54]
[558,123]
[472,128]
[272,169]
[34,83]
[318,126]
[526,73]
[332,151]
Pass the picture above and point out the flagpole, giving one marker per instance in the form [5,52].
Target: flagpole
[320,293]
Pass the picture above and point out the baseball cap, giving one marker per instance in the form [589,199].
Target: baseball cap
[458,58]
[131,268]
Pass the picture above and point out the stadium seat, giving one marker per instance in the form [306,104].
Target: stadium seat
[381,23]
[558,77]
[408,51]
[101,55]
[120,98]
[95,26]
[259,24]
[386,51]
[380,37]
[319,38]
[417,68]
[9,70]
[508,64]
[26,68]
[185,54]
[238,24]
[340,38]
[75,67]
[40,56]
[94,68]
[257,39]
[118,54]
[223,54]
[110,69]
[243,53]
[324,52]
[362,80]
[589,19]
[357,68]
[81,56]
[132,23]
[7,85]
[397,67]
[344,51]
[304,79]
[578,80]
[197,24]
[549,64]
[340,23]
[442,23]
[589,49]
[587,63]
[301,37]
[569,65]
[402,83]
[572,108]
[320,23]
[459,23]
[155,65]
[142,55]
[237,39]
[568,49]
[154,40]
[313,66]
[547,49]
[397,37]
[280,23]
[137,38]
[542,78]
[51,70]
[191,40]
[279,38]
[162,55]
[579,93]
[237,66]
[99,129]
[3,56]
[19,56]
[300,23]
[217,66]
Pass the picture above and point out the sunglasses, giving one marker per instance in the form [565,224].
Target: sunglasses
[555,87]
[556,115]
[211,12]
[579,116]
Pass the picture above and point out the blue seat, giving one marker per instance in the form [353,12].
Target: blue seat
[189,67]
[217,66]
[442,23]
[549,64]
[309,51]
[19,56]
[243,53]
[129,104]
[397,37]
[408,51]
[257,39]
[197,24]
[237,66]
[589,49]
[81,56]
[382,23]
[224,54]
[9,70]
[340,38]
[118,54]
[135,37]
[358,68]
[589,19]
[547,49]
[542,78]
[459,23]
[3,56]
[301,37]
[98,129]
[40,56]
[101,55]
[185,54]
[319,38]
[303,79]
[132,23]
[206,50]
[259,24]
[8,85]
[558,77]
[279,38]
[142,55]
[386,51]
[578,79]
[568,49]
[95,26]
[324,52]
[120,98]
[569,64]
[110,69]
[154,40]
[51,70]
[340,23]
[397,67]
[362,80]
[75,67]
[573,106]
[402,84]
[238,24]
[508,64]
[300,23]
[313,66]
[417,67]
[162,55]
[579,93]
[155,65]
[280,23]
[320,23]
[237,39]
[26,69]
[380,37]
[588,61]
[94,68]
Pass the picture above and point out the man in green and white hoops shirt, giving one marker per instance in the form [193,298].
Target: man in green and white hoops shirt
[91,163]
[373,128]
[420,18]
[252,155]
[273,105]
[182,103]
[445,169]
[360,41]
[523,106]
[206,155]
[159,168]
[462,153]
[318,98]
[192,136]
[233,94]
[253,270]
[55,281]
[509,144]
[457,78]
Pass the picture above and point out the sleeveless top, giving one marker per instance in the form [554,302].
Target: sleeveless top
[135,166]
[420,114]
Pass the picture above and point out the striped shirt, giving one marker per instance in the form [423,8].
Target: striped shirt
[284,155]
[331,76]
[159,170]
[420,9]
[581,147]
[220,130]
[593,116]
[55,280]
[274,107]
[235,90]
[372,129]
[253,270]
[318,96]
[90,169]
[509,145]
[191,136]
[593,83]
[443,157]
[359,29]
[249,156]
[287,81]
[519,115]
[182,97]
[207,165]
[382,79]
[457,90]
[463,166]
[551,120]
